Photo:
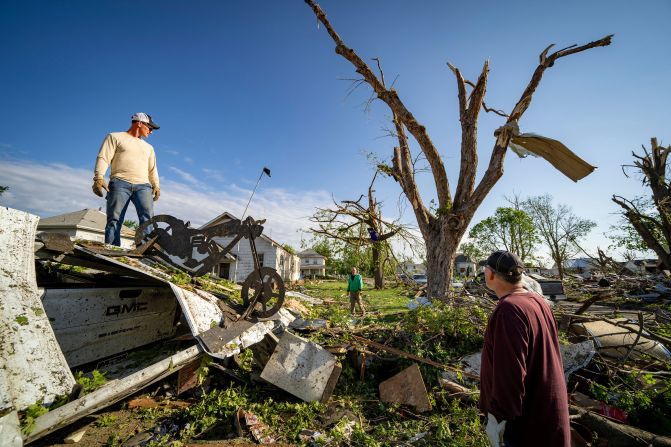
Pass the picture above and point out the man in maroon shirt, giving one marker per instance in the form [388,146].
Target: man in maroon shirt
[522,387]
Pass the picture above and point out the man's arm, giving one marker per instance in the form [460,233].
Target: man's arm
[153,175]
[105,155]
[510,343]
[153,170]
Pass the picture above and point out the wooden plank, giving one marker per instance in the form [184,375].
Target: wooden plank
[111,393]
[58,242]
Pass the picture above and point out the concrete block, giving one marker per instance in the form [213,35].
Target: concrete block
[302,368]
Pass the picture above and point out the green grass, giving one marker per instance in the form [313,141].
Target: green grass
[385,304]
[440,332]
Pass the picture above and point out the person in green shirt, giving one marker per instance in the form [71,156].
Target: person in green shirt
[354,287]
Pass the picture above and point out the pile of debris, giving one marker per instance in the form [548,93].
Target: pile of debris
[199,359]
[70,309]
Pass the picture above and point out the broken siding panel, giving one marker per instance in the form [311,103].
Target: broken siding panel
[35,368]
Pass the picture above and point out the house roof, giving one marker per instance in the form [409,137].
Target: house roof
[86,219]
[310,253]
[225,216]
[645,262]
[579,263]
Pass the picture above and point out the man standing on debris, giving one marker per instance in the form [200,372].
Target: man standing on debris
[133,176]
[522,387]
[354,287]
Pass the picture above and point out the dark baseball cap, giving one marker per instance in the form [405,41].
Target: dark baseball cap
[505,263]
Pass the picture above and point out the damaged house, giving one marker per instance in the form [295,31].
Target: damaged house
[641,266]
[86,224]
[271,254]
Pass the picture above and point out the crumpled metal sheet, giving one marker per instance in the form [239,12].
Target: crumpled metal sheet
[34,368]
[574,357]
[559,156]
[200,308]
[226,342]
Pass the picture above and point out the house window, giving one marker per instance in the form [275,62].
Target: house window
[260,256]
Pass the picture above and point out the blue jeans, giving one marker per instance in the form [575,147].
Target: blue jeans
[120,194]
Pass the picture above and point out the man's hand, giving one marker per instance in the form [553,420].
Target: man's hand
[98,186]
[157,193]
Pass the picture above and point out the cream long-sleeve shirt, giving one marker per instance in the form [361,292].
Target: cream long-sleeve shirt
[131,159]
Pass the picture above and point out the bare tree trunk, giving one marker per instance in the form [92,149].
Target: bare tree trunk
[441,249]
[378,269]
[654,230]
[559,260]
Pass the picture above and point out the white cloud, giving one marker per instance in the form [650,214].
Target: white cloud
[53,189]
[214,174]
[186,176]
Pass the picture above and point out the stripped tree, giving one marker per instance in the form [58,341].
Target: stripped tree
[358,223]
[652,220]
[443,229]
[559,227]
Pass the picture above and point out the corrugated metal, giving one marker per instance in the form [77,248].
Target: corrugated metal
[35,368]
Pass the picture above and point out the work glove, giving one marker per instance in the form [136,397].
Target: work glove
[157,193]
[495,430]
[98,186]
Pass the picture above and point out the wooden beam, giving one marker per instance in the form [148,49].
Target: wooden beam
[110,393]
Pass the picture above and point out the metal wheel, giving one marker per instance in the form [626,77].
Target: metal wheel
[150,228]
[266,290]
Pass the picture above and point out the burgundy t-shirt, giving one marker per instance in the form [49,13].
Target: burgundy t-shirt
[521,375]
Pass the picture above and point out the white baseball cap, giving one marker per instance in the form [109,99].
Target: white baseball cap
[144,118]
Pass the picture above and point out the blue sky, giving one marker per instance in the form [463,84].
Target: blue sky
[239,85]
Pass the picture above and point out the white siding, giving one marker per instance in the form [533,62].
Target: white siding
[286,264]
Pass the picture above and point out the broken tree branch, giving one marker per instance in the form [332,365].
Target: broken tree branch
[495,168]
[618,435]
[638,337]
[391,98]
[407,355]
